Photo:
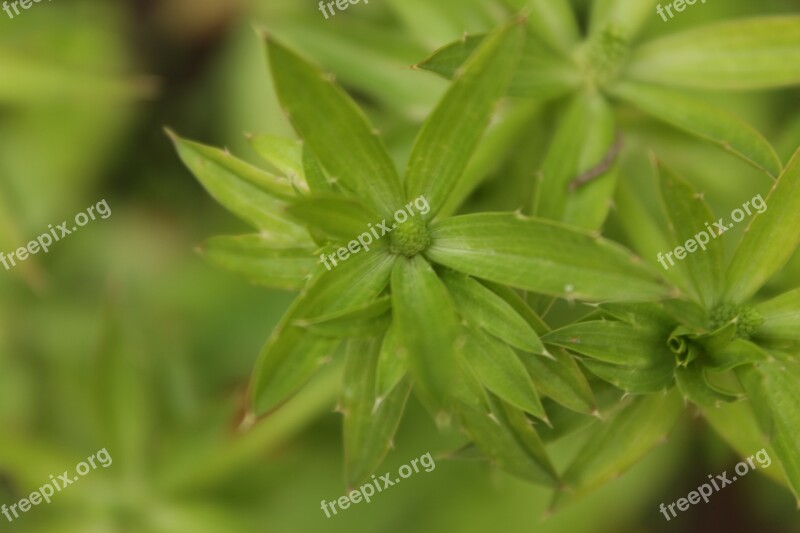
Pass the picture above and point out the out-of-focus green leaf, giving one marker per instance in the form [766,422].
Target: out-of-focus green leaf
[449,136]
[286,155]
[209,163]
[315,176]
[770,239]
[781,317]
[744,54]
[336,129]
[292,354]
[260,260]
[703,120]
[369,424]
[486,309]
[540,75]
[582,141]
[772,387]
[653,378]
[737,424]
[522,455]
[552,21]
[340,217]
[561,380]
[628,16]
[641,315]
[620,443]
[365,320]
[499,369]
[392,362]
[695,387]
[426,316]
[541,256]
[737,353]
[609,341]
[240,188]
[687,213]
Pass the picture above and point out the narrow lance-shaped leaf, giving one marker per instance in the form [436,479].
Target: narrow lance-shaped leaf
[620,443]
[425,313]
[451,133]
[369,424]
[561,380]
[772,388]
[542,256]
[703,120]
[361,321]
[498,368]
[486,309]
[522,455]
[340,217]
[261,261]
[770,239]
[746,54]
[336,129]
[608,341]
[286,155]
[540,75]
[781,317]
[688,213]
[583,140]
[292,354]
[552,21]
[241,188]
[392,361]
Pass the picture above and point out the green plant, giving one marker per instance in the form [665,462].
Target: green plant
[434,307]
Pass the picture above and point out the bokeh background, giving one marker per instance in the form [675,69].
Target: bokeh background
[123,338]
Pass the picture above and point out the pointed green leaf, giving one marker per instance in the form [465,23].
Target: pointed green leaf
[619,444]
[647,315]
[449,136]
[770,239]
[365,320]
[772,387]
[540,75]
[653,378]
[703,120]
[315,176]
[519,305]
[426,315]
[695,387]
[561,380]
[746,54]
[781,317]
[292,354]
[582,142]
[392,362]
[369,424]
[286,155]
[340,217]
[552,21]
[244,190]
[736,423]
[335,128]
[261,261]
[498,368]
[541,256]
[736,353]
[687,213]
[486,309]
[609,341]
[492,432]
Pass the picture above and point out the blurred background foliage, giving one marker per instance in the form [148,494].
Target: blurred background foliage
[121,337]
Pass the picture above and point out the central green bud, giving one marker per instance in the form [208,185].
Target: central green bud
[747,319]
[410,238]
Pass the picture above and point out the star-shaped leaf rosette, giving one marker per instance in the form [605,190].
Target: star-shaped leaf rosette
[423,302]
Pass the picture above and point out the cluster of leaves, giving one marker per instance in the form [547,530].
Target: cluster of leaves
[440,307]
